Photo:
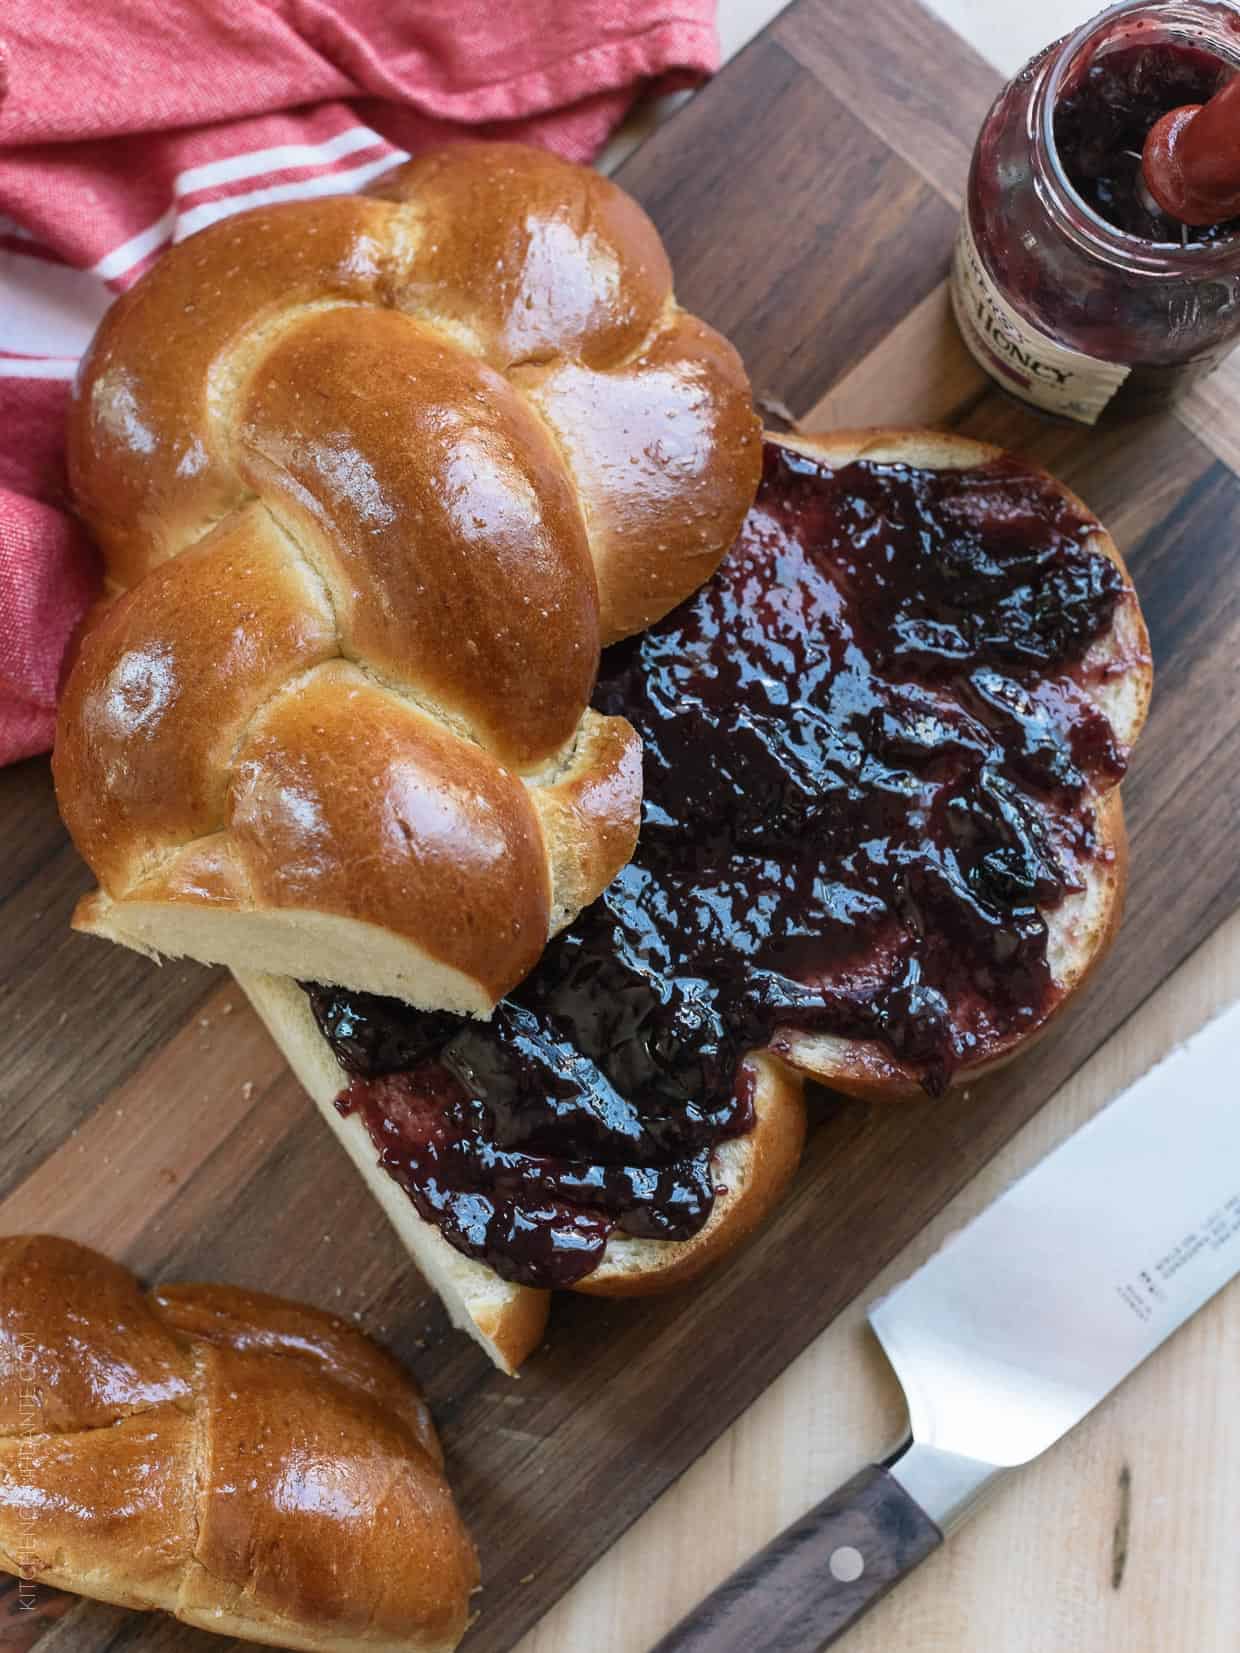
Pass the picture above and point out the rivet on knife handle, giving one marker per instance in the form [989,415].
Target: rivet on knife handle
[818,1577]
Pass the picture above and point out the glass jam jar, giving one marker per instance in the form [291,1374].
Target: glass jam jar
[1069,286]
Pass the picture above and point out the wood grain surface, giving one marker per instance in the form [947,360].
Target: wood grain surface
[808,198]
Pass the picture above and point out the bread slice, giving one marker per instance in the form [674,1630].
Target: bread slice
[751,1173]
[508,1320]
[1084,924]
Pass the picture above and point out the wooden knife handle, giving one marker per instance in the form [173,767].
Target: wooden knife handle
[809,1584]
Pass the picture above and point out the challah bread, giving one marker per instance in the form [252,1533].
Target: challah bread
[506,1318]
[819,772]
[374,478]
[1116,674]
[251,1466]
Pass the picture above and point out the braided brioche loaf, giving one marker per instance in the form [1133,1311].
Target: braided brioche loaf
[374,479]
[764,628]
[253,1466]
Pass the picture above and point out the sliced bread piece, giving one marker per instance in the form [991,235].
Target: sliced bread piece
[1117,675]
[751,1173]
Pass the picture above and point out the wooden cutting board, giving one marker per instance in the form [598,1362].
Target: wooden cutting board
[808,198]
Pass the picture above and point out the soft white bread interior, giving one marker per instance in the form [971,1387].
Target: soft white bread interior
[507,1320]
[751,1171]
[1117,675]
[374,480]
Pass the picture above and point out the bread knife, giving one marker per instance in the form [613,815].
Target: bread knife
[1008,1336]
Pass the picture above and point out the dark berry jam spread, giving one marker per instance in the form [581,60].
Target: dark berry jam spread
[868,762]
[1101,124]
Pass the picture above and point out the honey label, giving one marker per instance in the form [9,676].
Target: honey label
[1023,359]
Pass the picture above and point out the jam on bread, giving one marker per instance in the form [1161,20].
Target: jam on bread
[871,767]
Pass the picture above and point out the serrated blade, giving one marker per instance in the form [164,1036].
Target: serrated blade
[1036,1310]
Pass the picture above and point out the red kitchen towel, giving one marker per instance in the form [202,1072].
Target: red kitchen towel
[127,125]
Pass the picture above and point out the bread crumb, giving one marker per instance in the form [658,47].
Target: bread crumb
[528,1579]
[227,1010]
[247,1090]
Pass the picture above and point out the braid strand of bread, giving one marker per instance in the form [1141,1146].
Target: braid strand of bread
[251,1466]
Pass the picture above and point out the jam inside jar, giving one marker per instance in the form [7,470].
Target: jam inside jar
[1103,118]
[870,760]
[1071,288]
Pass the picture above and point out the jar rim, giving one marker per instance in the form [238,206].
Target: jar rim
[1103,239]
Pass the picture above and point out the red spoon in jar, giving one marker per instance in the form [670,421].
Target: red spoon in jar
[1191,159]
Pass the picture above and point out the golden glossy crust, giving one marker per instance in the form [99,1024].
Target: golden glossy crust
[457,562]
[584,812]
[249,1465]
[50,1290]
[166,678]
[255,1322]
[642,443]
[1084,926]
[530,258]
[447,439]
[512,1327]
[149,465]
[386,813]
